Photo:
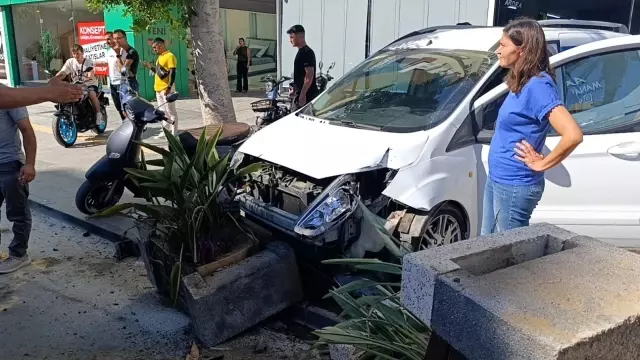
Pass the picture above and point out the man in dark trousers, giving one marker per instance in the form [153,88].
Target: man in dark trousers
[304,69]
[17,170]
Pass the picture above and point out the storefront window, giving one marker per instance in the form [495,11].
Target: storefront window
[44,34]
[260,33]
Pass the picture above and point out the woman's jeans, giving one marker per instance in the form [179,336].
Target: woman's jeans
[508,206]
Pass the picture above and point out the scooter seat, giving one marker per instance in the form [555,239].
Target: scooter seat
[231,133]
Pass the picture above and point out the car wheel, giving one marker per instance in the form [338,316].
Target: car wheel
[445,225]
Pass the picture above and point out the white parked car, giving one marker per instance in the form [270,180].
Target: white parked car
[409,129]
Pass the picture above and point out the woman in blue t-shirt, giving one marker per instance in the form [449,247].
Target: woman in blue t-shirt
[516,164]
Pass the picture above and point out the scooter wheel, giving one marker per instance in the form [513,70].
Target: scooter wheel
[64,131]
[91,197]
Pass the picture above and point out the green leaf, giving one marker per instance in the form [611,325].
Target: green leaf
[174,144]
[155,149]
[368,264]
[200,153]
[156,162]
[391,243]
[222,167]
[174,281]
[385,268]
[361,284]
[212,153]
[249,169]
[153,175]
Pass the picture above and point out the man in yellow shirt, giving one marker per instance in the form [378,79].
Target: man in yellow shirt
[165,78]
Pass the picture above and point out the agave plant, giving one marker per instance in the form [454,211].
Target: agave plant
[189,201]
[378,326]
[375,321]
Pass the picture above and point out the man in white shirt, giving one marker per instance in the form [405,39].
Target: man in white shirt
[115,78]
[75,67]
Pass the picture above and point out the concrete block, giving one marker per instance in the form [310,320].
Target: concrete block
[342,352]
[532,293]
[236,298]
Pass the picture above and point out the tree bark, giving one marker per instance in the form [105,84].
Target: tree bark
[211,63]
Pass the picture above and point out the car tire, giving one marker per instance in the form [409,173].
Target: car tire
[445,224]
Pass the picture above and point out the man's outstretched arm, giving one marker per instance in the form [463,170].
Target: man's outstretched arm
[57,91]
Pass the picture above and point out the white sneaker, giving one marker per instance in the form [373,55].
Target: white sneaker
[99,119]
[14,263]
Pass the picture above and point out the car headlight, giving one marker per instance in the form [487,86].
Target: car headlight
[236,160]
[332,208]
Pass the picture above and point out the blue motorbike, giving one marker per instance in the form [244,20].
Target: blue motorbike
[77,117]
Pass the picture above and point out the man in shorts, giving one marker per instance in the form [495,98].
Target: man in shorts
[76,67]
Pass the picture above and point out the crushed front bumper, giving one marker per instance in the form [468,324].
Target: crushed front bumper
[341,233]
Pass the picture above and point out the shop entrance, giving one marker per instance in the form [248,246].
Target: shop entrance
[44,34]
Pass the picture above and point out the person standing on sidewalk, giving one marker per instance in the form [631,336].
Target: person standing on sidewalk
[515,183]
[164,84]
[128,65]
[17,170]
[114,72]
[304,69]
[243,54]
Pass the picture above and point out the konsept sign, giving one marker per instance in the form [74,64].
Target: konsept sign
[91,36]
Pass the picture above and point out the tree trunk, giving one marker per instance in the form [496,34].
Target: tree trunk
[211,63]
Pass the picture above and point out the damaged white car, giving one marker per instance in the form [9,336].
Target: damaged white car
[406,133]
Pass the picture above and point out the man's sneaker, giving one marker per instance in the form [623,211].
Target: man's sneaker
[14,263]
[99,119]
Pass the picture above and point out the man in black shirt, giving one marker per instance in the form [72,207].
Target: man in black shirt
[129,65]
[304,68]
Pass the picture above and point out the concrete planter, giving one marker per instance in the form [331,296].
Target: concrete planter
[158,260]
[238,297]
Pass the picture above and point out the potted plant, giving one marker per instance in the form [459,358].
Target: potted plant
[49,50]
[188,223]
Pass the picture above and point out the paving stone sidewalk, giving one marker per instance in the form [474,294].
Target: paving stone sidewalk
[61,171]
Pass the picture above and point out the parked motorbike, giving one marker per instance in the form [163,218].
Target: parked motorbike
[323,79]
[274,107]
[72,118]
[106,180]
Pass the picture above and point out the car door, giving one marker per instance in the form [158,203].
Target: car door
[595,190]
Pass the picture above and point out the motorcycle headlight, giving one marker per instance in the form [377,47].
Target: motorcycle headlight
[332,208]
[236,159]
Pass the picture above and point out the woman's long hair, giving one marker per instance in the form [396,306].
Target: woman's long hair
[528,35]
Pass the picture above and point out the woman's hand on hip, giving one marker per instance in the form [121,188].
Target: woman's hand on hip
[529,156]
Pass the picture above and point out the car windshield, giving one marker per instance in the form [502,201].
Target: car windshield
[403,90]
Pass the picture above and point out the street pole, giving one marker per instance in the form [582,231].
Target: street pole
[633,3]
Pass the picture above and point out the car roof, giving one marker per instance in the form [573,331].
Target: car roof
[484,38]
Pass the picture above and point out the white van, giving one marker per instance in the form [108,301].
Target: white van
[409,129]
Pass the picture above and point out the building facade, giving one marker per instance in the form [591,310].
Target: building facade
[347,31]
[37,36]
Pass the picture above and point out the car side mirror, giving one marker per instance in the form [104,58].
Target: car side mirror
[172,97]
[332,65]
[320,65]
[89,69]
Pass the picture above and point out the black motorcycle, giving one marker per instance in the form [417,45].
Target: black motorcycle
[323,79]
[72,118]
[274,107]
